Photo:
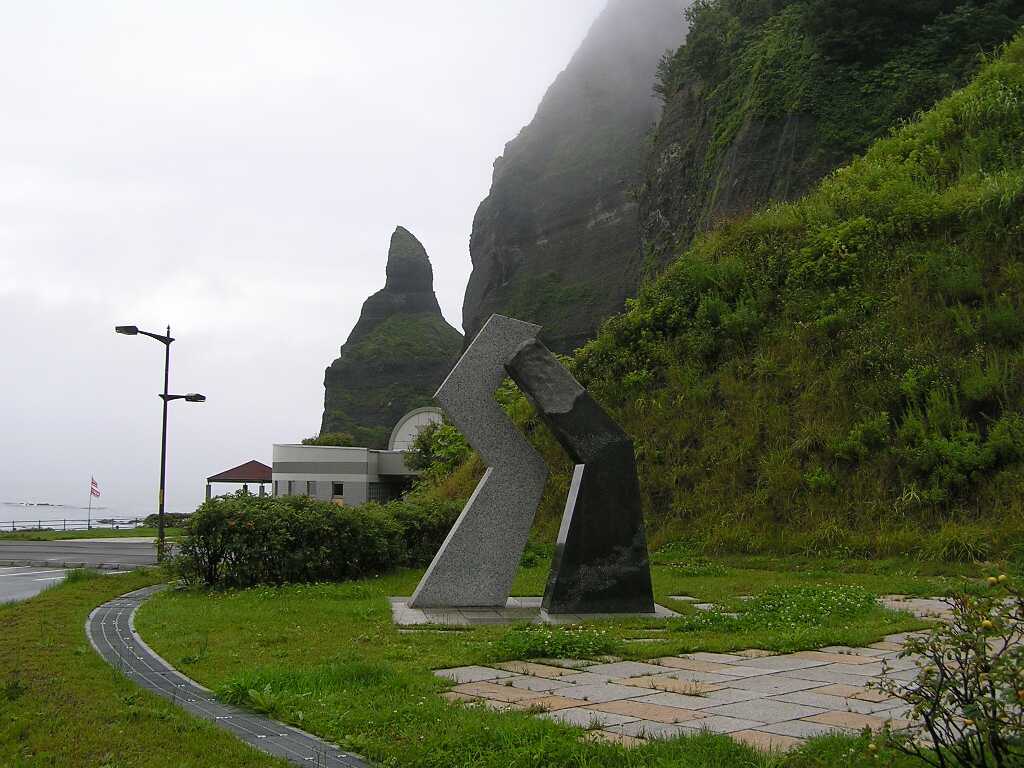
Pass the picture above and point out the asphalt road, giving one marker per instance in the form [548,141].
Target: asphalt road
[122,553]
[22,583]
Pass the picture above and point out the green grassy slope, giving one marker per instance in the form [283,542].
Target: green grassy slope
[844,372]
[768,96]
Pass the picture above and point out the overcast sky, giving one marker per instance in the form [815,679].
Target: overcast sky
[234,169]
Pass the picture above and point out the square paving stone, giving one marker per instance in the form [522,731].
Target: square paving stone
[842,689]
[669,683]
[885,646]
[824,675]
[571,664]
[602,692]
[724,658]
[765,710]
[486,690]
[713,667]
[647,711]
[731,695]
[801,729]
[826,702]
[781,663]
[695,677]
[874,669]
[534,669]
[530,683]
[649,729]
[766,742]
[850,720]
[722,724]
[678,700]
[549,703]
[832,658]
[771,685]
[756,653]
[587,718]
[584,678]
[694,665]
[626,669]
[472,674]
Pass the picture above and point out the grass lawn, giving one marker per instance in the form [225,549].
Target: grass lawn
[327,658]
[95,533]
[62,706]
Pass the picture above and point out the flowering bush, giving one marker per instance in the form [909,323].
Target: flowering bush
[969,693]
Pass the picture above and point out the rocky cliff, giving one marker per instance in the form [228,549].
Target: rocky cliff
[556,241]
[396,356]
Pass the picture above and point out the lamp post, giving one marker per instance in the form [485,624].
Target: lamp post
[166,339]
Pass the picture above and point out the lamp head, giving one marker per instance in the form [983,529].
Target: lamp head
[195,397]
[127,330]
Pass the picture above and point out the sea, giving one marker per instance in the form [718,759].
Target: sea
[22,515]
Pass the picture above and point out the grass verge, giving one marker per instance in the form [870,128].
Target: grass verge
[327,658]
[62,706]
[95,533]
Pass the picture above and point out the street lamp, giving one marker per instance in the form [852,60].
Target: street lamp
[166,339]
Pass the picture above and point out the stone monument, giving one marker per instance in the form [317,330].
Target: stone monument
[601,563]
[478,560]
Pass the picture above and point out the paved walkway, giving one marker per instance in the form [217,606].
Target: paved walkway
[770,701]
[112,633]
[20,583]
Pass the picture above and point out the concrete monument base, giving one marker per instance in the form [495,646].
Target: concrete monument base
[516,609]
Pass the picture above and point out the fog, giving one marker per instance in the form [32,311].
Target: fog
[235,170]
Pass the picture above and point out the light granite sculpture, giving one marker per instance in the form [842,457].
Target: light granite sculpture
[601,563]
[478,560]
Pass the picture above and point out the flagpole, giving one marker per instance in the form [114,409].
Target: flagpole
[88,524]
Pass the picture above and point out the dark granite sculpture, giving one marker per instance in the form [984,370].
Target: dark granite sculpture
[600,563]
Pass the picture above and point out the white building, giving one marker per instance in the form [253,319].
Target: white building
[350,476]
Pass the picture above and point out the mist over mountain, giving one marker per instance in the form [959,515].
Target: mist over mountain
[556,241]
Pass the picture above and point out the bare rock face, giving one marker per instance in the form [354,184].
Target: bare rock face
[556,242]
[398,353]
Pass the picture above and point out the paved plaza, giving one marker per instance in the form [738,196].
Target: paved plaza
[767,700]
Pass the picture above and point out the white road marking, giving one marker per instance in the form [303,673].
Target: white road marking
[50,578]
[34,573]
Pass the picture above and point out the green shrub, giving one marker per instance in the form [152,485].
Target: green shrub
[425,524]
[243,540]
[436,452]
[171,520]
[959,543]
[866,436]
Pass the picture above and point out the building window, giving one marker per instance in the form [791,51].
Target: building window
[311,487]
[275,488]
[337,490]
[291,487]
[378,492]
